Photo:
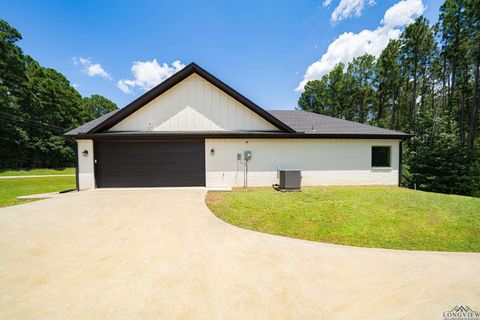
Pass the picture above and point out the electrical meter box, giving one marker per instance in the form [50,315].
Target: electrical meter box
[247,155]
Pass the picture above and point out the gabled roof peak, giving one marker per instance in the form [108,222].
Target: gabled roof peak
[168,83]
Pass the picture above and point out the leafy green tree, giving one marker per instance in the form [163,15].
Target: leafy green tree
[329,95]
[417,47]
[427,82]
[96,106]
[314,96]
[388,72]
[473,52]
[54,103]
[443,167]
[12,90]
[362,72]
[336,91]
[37,105]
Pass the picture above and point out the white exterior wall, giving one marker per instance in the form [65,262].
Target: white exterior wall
[322,161]
[86,177]
[194,105]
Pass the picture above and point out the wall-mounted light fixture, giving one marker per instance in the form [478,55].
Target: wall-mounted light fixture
[85,153]
[212,152]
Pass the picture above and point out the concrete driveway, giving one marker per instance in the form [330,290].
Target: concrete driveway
[161,254]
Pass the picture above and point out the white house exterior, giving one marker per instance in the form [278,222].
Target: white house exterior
[322,161]
[192,128]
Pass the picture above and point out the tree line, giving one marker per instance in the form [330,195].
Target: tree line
[38,105]
[425,83]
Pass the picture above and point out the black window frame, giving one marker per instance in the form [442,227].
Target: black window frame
[375,163]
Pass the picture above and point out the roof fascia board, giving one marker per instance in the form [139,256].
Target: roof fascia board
[154,136]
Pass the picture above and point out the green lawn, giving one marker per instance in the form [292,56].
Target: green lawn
[11,188]
[35,172]
[383,217]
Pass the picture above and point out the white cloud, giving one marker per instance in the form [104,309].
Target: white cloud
[148,74]
[348,8]
[403,13]
[350,45]
[326,3]
[91,69]
[125,85]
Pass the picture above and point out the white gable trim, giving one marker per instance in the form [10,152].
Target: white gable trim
[194,104]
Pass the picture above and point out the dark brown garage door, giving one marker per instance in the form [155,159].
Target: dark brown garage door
[150,164]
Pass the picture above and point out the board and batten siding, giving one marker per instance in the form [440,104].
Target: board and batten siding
[194,105]
[322,161]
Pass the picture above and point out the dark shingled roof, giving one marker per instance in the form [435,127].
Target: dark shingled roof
[290,122]
[91,124]
[301,121]
[313,123]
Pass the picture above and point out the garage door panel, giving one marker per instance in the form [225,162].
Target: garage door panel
[150,164]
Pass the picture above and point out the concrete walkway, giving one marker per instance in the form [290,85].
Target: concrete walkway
[161,254]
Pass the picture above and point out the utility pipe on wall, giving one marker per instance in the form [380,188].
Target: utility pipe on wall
[247,155]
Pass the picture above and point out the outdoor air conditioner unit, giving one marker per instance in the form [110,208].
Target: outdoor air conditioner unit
[290,179]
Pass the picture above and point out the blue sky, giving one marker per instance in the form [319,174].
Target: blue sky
[263,49]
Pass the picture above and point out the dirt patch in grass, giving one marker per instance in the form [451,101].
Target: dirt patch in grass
[213,198]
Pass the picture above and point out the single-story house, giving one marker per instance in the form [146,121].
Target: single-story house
[193,130]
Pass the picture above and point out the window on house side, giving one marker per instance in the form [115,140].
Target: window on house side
[380,157]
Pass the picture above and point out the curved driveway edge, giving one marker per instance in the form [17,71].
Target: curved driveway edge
[161,254]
